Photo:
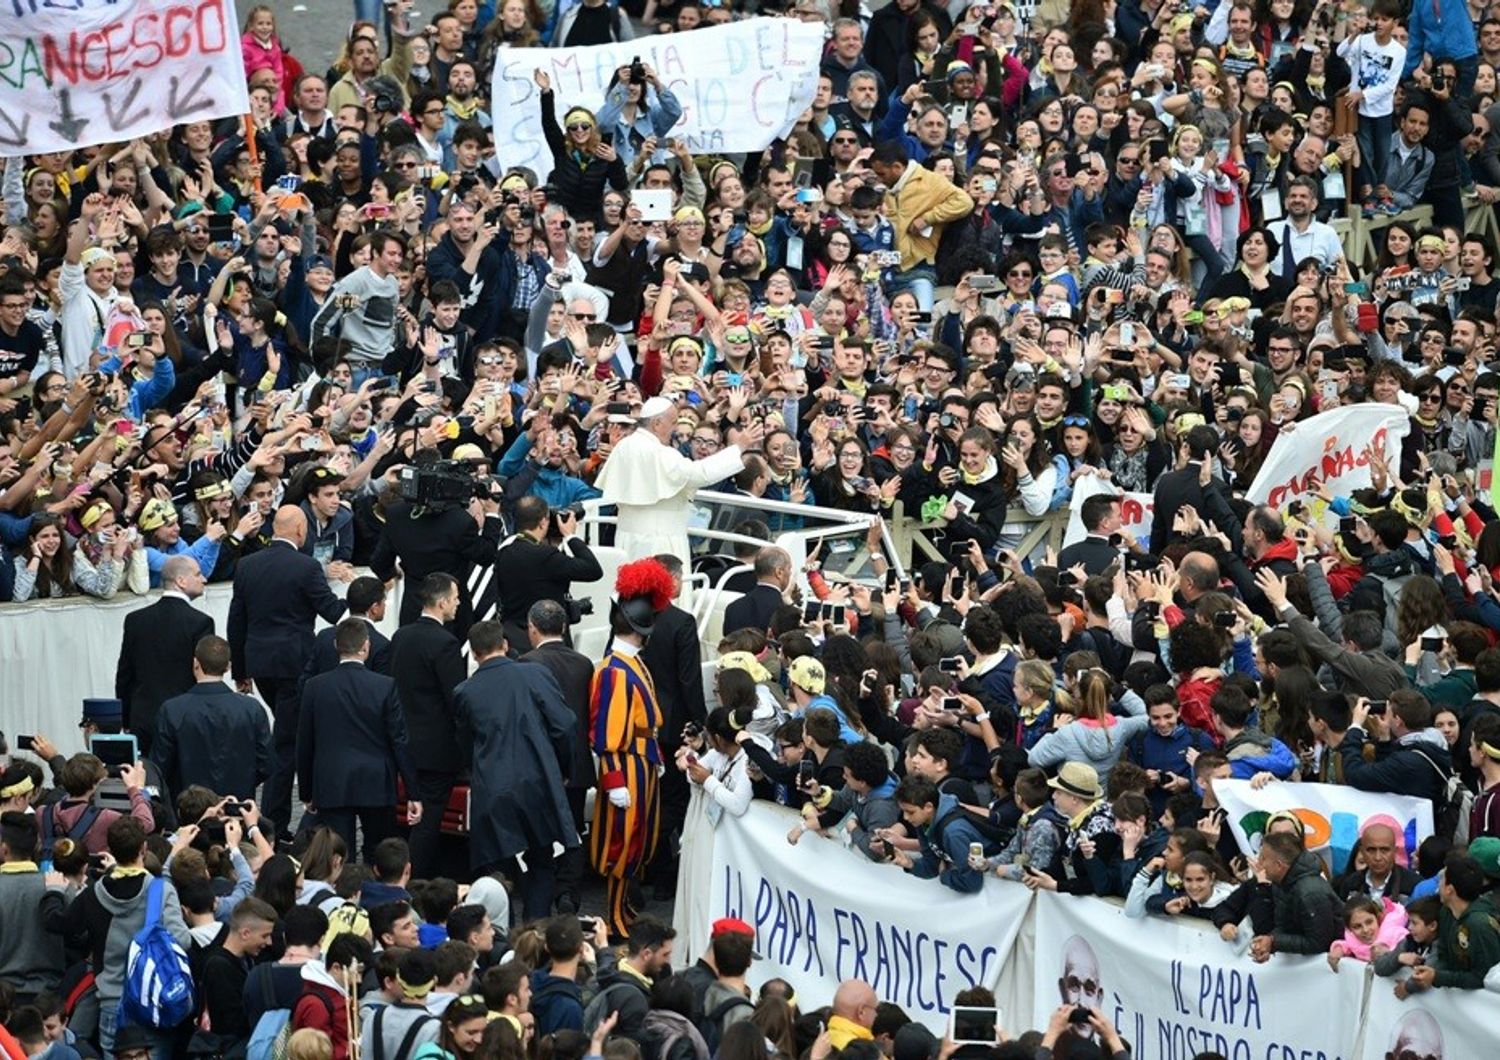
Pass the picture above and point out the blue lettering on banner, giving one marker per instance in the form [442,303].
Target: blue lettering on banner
[912,968]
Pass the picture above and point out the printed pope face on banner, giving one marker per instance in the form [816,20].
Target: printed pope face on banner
[1416,1037]
[1079,983]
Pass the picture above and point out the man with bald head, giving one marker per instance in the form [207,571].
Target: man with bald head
[279,593]
[1380,877]
[1198,573]
[1416,1037]
[1080,982]
[853,1015]
[156,648]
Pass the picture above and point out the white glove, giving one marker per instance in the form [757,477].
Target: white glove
[620,797]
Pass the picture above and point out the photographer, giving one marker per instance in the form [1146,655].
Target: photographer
[531,568]
[429,539]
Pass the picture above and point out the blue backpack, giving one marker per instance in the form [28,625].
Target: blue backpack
[158,981]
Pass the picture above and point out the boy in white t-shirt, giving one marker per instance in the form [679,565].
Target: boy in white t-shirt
[1375,60]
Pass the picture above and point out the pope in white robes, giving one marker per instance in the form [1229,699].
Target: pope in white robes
[651,484]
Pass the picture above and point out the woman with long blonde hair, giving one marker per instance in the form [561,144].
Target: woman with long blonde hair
[1095,734]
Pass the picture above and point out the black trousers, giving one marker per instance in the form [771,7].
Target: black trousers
[376,822]
[280,694]
[433,791]
[570,867]
[675,793]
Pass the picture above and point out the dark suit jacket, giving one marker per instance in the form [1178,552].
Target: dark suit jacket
[527,571]
[1398,885]
[754,610]
[278,595]
[574,673]
[212,735]
[325,656]
[674,658]
[156,660]
[1095,553]
[1178,488]
[444,541]
[351,740]
[427,666]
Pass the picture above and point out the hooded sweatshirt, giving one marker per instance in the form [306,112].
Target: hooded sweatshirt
[945,848]
[1251,751]
[111,913]
[1391,935]
[1100,744]
[321,1006]
[556,1002]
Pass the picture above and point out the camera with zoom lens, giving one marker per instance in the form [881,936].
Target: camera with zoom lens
[446,484]
[554,527]
[576,608]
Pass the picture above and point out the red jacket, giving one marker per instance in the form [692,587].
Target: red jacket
[324,1008]
[1193,697]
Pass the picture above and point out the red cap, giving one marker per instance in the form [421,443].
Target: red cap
[731,926]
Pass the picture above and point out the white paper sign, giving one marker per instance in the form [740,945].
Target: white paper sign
[1333,815]
[1329,448]
[741,85]
[81,72]
[823,913]
[1175,990]
[1136,510]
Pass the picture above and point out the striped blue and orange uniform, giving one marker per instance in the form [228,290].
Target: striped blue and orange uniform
[623,720]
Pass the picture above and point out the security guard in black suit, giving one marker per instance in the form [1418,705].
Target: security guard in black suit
[366,600]
[428,541]
[1101,519]
[279,593]
[352,743]
[427,666]
[212,735]
[773,573]
[156,648]
[528,569]
[546,623]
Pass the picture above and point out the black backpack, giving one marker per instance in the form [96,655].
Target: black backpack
[712,1024]
[47,826]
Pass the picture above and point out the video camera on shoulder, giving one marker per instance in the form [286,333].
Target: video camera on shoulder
[446,484]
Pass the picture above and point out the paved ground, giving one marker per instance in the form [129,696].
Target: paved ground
[314,29]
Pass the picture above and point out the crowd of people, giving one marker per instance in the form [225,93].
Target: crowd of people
[1009,249]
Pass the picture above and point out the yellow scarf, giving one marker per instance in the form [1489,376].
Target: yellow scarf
[1083,815]
[990,469]
[11,867]
[461,109]
[120,872]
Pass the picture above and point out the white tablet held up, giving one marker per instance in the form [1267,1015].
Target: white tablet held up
[655,204]
[974,1026]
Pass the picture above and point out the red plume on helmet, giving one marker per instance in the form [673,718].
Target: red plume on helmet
[645,578]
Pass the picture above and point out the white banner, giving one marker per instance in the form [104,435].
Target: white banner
[1442,1024]
[1334,816]
[741,85]
[823,913]
[1175,989]
[1135,510]
[1329,448]
[81,72]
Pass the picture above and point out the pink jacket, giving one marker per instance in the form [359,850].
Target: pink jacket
[1392,932]
[259,56]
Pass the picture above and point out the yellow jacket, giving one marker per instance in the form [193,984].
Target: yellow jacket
[842,1031]
[922,193]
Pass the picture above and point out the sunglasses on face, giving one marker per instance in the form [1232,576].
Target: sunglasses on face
[579,127]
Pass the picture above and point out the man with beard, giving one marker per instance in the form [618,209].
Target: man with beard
[463,104]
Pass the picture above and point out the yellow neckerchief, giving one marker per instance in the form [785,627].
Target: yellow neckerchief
[629,969]
[1030,714]
[515,1023]
[1027,817]
[120,872]
[857,386]
[991,469]
[462,110]
[11,867]
[762,228]
[1427,424]
[1047,425]
[1247,52]
[1075,823]
[1173,881]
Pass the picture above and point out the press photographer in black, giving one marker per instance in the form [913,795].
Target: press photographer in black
[446,521]
[541,562]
